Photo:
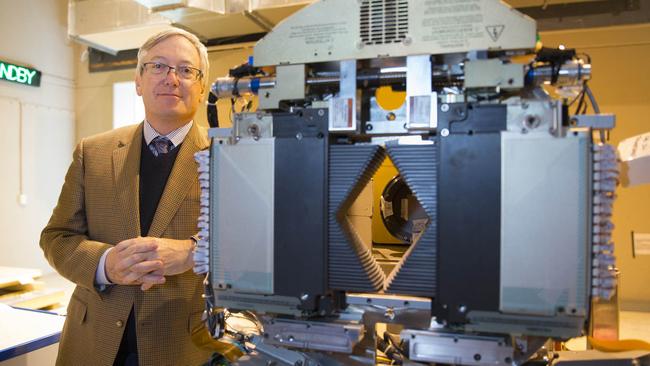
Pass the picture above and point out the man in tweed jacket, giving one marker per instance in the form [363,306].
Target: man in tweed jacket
[123,224]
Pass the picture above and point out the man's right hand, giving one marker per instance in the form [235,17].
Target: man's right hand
[134,262]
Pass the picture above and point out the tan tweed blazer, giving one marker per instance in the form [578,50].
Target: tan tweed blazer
[98,208]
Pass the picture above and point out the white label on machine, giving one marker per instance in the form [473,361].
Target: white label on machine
[640,243]
[341,114]
[421,111]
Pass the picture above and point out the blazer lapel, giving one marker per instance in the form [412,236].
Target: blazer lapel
[126,175]
[183,175]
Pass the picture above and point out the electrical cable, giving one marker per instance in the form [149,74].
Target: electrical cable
[212,110]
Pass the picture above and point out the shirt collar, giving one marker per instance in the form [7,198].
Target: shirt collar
[176,137]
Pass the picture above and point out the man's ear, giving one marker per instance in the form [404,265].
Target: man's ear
[202,92]
[138,84]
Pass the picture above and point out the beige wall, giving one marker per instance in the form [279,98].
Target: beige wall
[37,125]
[621,84]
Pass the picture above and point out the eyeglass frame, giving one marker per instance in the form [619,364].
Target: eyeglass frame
[198,76]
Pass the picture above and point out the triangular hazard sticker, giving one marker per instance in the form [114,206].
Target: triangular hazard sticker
[495,31]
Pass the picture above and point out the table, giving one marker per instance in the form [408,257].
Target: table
[24,330]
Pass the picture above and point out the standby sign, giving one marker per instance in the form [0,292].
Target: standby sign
[19,74]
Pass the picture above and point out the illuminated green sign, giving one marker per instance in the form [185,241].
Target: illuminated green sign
[19,74]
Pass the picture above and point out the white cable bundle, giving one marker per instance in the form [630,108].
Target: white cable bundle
[202,250]
[605,179]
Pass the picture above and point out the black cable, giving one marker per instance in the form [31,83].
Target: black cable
[581,103]
[212,110]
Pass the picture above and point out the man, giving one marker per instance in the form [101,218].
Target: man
[122,229]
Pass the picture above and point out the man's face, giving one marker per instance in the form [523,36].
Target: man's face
[168,98]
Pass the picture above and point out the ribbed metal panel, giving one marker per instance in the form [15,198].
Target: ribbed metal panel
[351,265]
[415,274]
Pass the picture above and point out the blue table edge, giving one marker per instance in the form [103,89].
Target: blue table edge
[32,345]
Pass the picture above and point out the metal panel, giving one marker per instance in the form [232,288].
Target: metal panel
[468,210]
[493,73]
[301,205]
[242,202]
[289,84]
[343,109]
[434,27]
[416,273]
[421,103]
[331,337]
[544,224]
[351,265]
[458,348]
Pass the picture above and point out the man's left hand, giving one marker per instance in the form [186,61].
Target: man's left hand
[176,256]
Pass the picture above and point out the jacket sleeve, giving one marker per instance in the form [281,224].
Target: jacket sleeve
[64,240]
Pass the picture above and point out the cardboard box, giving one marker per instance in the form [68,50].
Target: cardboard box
[634,154]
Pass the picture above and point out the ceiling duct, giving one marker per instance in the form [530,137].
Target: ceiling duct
[116,25]
[112,25]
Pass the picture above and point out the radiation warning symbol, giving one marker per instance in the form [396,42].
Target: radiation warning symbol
[495,31]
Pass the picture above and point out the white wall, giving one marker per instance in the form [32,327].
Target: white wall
[37,125]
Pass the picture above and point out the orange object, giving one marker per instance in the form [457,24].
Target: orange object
[618,346]
[388,99]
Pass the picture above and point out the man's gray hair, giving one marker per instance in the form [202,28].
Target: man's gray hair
[161,36]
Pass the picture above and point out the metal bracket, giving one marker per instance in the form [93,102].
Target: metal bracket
[331,337]
[421,102]
[596,121]
[283,355]
[343,109]
[458,348]
[289,85]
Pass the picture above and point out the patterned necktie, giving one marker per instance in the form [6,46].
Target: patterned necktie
[160,145]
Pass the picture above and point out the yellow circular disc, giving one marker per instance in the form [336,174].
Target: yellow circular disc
[389,99]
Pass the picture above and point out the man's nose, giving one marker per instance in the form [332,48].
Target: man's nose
[172,77]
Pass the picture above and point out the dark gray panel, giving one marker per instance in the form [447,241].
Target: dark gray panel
[469,210]
[351,267]
[300,213]
[416,273]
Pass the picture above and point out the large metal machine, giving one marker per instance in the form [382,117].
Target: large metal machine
[513,181]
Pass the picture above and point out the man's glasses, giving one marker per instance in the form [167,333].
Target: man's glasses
[182,71]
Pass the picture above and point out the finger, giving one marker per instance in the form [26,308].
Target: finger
[126,263]
[154,279]
[148,281]
[141,246]
[160,272]
[131,278]
[126,243]
[147,266]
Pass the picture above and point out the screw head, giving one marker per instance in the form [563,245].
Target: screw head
[304,297]
[321,112]
[444,132]
[444,107]
[299,136]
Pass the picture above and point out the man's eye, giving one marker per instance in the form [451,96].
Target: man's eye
[186,70]
[157,66]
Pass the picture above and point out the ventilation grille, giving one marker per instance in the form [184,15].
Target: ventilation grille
[383,21]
